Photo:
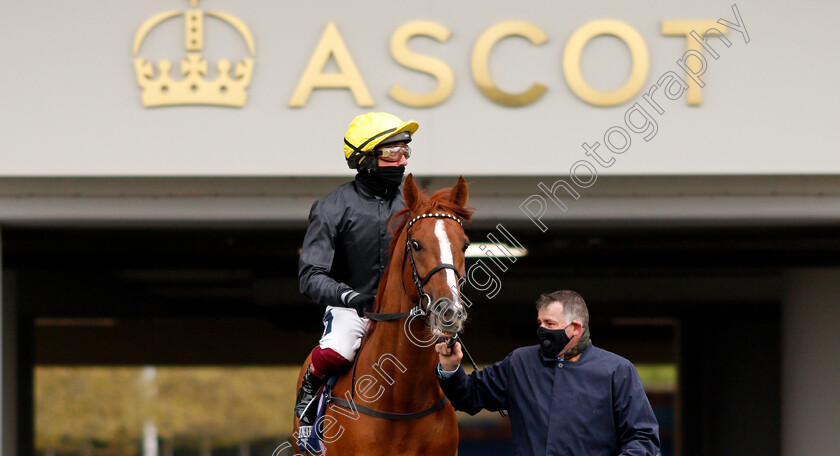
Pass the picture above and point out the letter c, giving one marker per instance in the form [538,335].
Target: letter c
[481,54]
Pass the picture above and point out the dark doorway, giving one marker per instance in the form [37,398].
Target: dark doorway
[198,297]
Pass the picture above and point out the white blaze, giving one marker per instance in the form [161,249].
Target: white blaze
[446,257]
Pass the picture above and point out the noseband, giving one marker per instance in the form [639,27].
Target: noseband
[419,283]
[418,308]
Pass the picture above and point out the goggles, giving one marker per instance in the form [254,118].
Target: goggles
[394,152]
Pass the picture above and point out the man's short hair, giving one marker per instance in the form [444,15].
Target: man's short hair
[574,307]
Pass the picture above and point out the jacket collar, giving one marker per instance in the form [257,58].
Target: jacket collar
[553,359]
[361,190]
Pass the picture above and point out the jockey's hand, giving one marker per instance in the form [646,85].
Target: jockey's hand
[450,358]
[361,302]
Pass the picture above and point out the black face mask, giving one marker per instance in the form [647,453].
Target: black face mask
[391,176]
[381,181]
[552,341]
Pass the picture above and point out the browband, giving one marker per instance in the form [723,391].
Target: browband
[433,214]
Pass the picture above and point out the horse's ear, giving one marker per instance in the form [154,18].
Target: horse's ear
[410,193]
[458,194]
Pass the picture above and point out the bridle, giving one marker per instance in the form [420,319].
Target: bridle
[418,309]
[419,283]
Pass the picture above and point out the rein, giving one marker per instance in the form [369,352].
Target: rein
[417,310]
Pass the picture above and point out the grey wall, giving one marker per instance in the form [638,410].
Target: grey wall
[72,105]
[810,355]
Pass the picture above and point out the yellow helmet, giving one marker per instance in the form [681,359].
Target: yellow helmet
[369,130]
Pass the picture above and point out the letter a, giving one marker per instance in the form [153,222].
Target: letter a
[348,76]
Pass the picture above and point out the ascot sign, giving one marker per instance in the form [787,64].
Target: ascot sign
[159,89]
[229,89]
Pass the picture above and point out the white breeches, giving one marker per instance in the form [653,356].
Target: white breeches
[343,331]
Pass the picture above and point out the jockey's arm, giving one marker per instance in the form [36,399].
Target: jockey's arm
[316,258]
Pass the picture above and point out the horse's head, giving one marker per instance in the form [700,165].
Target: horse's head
[435,243]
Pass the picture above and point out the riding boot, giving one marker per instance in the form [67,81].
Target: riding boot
[308,389]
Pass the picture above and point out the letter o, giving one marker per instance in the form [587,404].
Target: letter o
[413,337]
[611,146]
[638,52]
[591,178]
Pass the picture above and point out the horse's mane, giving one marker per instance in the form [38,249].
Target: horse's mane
[438,202]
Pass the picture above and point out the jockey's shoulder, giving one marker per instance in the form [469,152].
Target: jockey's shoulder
[338,195]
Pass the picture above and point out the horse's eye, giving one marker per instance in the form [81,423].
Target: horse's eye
[415,245]
[466,244]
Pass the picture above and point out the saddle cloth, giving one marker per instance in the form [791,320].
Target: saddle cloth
[309,438]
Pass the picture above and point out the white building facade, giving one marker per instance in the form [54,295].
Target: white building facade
[680,116]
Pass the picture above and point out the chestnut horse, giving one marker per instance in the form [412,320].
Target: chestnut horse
[390,401]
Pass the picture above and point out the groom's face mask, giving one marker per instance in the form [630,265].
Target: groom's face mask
[552,335]
[552,341]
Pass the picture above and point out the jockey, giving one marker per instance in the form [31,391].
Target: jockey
[345,249]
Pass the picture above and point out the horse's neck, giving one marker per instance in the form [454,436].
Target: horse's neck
[387,350]
[390,338]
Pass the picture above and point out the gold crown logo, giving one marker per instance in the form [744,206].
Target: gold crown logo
[159,89]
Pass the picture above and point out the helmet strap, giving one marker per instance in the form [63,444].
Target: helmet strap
[358,152]
[370,165]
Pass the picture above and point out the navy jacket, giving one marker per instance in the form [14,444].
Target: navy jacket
[346,244]
[592,407]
